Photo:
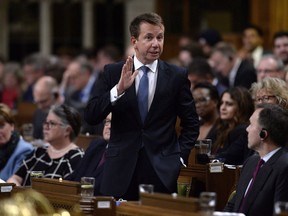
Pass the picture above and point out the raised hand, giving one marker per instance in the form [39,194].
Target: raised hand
[127,76]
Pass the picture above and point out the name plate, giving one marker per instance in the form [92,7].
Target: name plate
[6,189]
[103,204]
[216,167]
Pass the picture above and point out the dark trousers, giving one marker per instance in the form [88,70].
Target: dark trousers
[144,174]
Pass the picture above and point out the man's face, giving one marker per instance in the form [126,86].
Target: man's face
[253,130]
[43,98]
[220,63]
[107,126]
[30,75]
[268,68]
[251,39]
[281,48]
[77,79]
[149,44]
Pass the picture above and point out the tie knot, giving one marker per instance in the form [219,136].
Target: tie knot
[261,162]
[145,69]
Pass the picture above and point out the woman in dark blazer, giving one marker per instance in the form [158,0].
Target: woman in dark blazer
[236,107]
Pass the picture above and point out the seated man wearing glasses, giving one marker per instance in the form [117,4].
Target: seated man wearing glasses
[93,161]
[59,158]
[45,93]
[270,66]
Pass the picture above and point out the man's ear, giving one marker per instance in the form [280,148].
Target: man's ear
[133,41]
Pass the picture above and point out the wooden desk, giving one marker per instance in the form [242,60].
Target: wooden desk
[167,201]
[132,209]
[223,184]
[158,204]
[197,173]
[203,180]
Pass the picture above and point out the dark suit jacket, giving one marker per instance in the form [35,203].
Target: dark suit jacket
[158,136]
[88,165]
[39,117]
[235,150]
[246,75]
[271,185]
[73,98]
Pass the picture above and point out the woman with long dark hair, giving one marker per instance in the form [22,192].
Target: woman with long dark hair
[236,107]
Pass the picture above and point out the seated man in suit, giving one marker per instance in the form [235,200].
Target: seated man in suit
[257,191]
[45,93]
[232,70]
[91,164]
[270,66]
[77,85]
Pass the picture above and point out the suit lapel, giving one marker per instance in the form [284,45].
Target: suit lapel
[162,80]
[246,176]
[261,179]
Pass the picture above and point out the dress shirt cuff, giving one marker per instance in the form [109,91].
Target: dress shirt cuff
[114,95]
[182,162]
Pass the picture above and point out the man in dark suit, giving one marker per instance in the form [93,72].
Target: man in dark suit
[77,86]
[45,94]
[267,135]
[232,70]
[144,151]
[92,162]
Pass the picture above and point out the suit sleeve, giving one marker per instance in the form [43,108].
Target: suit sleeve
[189,120]
[99,105]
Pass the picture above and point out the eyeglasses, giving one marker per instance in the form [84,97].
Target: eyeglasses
[265,71]
[51,125]
[107,122]
[202,100]
[264,98]
[44,101]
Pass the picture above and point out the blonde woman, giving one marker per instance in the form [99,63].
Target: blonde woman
[270,90]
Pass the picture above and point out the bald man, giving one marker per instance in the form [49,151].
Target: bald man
[45,93]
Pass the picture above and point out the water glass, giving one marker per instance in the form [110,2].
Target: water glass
[36,174]
[183,188]
[146,188]
[281,208]
[87,187]
[207,202]
[205,146]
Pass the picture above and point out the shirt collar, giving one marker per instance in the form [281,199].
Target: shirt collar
[152,66]
[270,154]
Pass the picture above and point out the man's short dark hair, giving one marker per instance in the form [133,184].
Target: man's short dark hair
[256,28]
[280,34]
[200,67]
[274,119]
[151,18]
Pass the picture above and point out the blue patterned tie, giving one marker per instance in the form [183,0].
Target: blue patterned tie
[143,93]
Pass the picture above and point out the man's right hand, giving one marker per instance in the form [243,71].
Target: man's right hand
[127,76]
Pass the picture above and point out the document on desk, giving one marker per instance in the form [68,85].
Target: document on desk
[217,213]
